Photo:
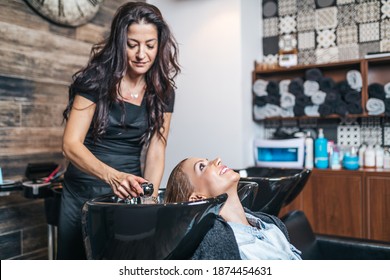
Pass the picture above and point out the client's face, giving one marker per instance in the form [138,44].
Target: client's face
[210,178]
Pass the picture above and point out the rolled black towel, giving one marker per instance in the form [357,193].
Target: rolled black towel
[299,111]
[354,108]
[261,100]
[303,100]
[352,96]
[325,110]
[272,88]
[387,103]
[376,90]
[296,86]
[327,84]
[343,87]
[333,97]
[313,74]
[341,108]
[273,99]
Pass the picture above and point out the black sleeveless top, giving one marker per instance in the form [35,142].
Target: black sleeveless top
[120,147]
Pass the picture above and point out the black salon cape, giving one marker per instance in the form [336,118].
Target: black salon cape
[220,243]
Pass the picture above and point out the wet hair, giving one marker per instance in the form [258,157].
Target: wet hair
[108,64]
[179,187]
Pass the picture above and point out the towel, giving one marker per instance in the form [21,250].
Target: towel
[354,79]
[272,110]
[302,100]
[327,84]
[299,110]
[259,87]
[341,108]
[313,74]
[376,90]
[310,87]
[352,96]
[260,100]
[287,100]
[287,113]
[259,112]
[273,99]
[354,108]
[312,111]
[272,88]
[333,97]
[387,106]
[318,97]
[343,87]
[325,110]
[296,86]
[283,86]
[375,106]
[387,90]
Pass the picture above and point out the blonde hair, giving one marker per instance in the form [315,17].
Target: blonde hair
[179,187]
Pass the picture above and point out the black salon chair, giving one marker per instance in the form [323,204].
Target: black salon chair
[329,247]
[277,187]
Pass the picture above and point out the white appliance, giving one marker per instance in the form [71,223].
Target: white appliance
[285,153]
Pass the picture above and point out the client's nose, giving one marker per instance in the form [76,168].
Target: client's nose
[217,161]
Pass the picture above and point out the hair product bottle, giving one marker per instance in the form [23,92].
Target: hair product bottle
[309,151]
[369,156]
[321,150]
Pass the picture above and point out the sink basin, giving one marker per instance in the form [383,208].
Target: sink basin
[116,230]
[277,187]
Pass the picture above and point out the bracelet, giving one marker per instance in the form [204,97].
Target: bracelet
[155,199]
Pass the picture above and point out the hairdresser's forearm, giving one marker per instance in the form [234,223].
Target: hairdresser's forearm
[84,160]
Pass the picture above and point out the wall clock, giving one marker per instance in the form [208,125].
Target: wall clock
[66,12]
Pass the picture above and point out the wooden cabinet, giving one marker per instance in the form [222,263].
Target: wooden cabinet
[378,205]
[347,203]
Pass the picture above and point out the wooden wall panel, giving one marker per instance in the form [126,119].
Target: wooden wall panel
[37,61]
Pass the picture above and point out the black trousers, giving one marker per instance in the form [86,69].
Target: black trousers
[70,237]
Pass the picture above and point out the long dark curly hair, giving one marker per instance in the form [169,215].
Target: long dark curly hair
[108,64]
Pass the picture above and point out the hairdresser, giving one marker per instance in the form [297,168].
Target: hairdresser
[119,108]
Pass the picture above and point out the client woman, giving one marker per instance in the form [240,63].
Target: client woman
[237,233]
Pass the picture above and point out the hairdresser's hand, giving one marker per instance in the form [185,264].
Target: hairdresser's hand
[127,185]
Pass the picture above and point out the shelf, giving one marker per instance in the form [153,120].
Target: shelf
[373,70]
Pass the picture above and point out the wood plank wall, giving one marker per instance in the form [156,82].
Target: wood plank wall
[37,60]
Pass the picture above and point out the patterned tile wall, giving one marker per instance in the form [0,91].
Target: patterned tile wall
[326,30]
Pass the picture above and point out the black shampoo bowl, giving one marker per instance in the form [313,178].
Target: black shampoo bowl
[114,230]
[277,187]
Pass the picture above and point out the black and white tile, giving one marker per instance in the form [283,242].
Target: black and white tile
[306,57]
[368,12]
[306,40]
[327,55]
[287,25]
[326,18]
[305,20]
[270,27]
[347,35]
[326,38]
[348,52]
[287,7]
[369,32]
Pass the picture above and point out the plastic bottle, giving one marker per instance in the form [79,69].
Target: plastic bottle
[334,161]
[309,151]
[321,150]
[362,150]
[369,157]
[379,154]
[351,159]
[386,159]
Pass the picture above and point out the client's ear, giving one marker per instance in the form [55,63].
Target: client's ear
[196,196]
